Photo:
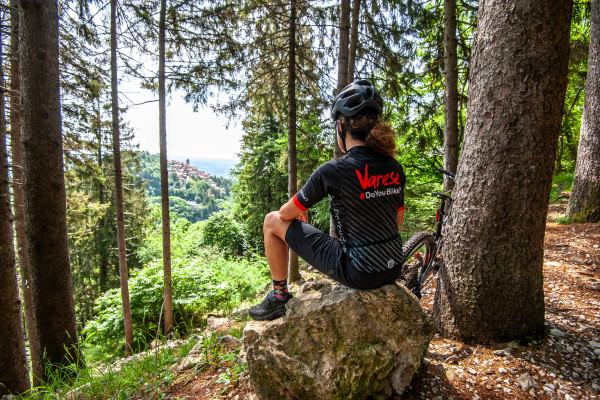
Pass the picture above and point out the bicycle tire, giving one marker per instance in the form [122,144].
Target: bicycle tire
[418,251]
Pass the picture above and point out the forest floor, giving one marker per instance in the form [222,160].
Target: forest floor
[564,365]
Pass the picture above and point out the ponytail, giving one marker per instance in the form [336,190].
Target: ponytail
[376,134]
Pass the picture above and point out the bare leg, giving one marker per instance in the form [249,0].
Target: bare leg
[275,246]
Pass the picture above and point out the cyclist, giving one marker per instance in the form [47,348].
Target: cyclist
[366,189]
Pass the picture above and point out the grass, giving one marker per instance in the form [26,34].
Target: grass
[561,183]
[145,375]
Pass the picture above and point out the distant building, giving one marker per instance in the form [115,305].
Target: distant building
[186,171]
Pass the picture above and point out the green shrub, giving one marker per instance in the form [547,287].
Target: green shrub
[221,231]
[205,283]
[186,241]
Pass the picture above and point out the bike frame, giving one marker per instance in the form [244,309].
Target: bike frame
[438,234]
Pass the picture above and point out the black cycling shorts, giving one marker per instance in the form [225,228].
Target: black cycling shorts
[325,254]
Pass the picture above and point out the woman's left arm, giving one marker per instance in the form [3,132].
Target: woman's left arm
[400,217]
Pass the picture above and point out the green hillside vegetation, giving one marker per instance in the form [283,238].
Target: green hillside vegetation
[193,199]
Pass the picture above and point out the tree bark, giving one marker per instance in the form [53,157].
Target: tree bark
[584,204]
[164,172]
[44,187]
[342,76]
[14,375]
[17,185]
[293,269]
[342,59]
[119,182]
[450,92]
[492,286]
[353,40]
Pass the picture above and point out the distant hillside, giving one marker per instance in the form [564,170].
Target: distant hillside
[193,194]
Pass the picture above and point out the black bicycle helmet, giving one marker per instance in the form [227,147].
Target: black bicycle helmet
[356,97]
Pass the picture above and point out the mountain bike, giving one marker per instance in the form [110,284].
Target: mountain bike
[423,251]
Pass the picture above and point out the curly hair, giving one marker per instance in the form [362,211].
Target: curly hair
[376,134]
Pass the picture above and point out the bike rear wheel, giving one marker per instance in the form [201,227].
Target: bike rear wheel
[419,252]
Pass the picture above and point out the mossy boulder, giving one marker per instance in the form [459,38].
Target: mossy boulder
[339,343]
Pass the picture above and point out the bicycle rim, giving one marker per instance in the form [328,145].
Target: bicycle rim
[418,252]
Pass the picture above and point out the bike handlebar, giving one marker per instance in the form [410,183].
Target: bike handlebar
[448,173]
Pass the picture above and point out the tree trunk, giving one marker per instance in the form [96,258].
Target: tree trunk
[17,186]
[164,172]
[101,244]
[119,181]
[44,187]
[102,248]
[584,205]
[342,77]
[14,375]
[343,58]
[492,286]
[353,41]
[450,92]
[293,269]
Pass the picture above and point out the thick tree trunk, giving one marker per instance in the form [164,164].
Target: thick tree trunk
[119,181]
[164,172]
[353,40]
[492,286]
[293,269]
[14,375]
[584,205]
[17,186]
[450,92]
[44,186]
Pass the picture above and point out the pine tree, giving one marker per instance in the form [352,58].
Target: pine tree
[123,273]
[90,176]
[164,179]
[17,185]
[505,174]
[450,92]
[44,187]
[14,376]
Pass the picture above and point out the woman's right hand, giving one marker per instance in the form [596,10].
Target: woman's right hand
[303,216]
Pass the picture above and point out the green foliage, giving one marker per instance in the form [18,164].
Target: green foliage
[261,178]
[561,183]
[566,154]
[207,282]
[564,220]
[420,206]
[89,179]
[222,232]
[181,208]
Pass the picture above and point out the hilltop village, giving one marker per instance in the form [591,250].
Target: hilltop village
[185,171]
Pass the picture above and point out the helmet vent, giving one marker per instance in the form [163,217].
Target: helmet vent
[355,99]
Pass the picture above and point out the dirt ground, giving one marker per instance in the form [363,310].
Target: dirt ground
[565,365]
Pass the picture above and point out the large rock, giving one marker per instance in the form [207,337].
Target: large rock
[339,343]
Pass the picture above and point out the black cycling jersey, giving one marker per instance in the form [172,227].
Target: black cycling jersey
[366,192]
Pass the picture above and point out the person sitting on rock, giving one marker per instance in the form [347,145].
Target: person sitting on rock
[366,189]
